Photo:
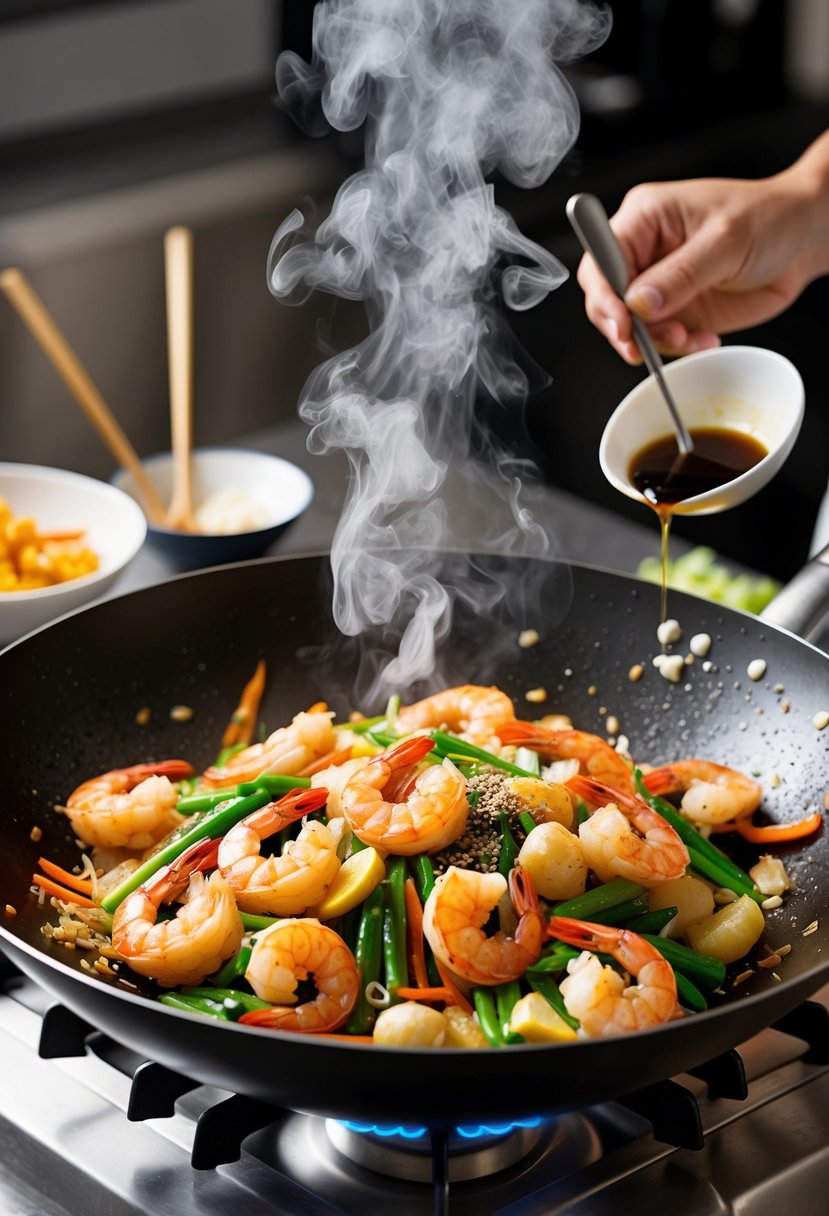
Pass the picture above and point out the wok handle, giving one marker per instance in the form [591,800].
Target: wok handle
[804,602]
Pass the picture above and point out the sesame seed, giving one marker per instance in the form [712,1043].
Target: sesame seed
[636,672]
[143,716]
[36,834]
[528,637]
[536,695]
[181,713]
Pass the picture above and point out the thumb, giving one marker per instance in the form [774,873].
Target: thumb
[669,285]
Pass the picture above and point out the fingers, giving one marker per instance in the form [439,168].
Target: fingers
[664,289]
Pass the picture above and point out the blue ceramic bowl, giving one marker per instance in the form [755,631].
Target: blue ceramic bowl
[265,493]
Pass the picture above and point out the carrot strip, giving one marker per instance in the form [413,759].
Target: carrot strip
[76,882]
[326,761]
[42,537]
[243,719]
[319,707]
[773,833]
[427,994]
[68,897]
[414,932]
[458,997]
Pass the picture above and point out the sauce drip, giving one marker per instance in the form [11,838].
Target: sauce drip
[665,479]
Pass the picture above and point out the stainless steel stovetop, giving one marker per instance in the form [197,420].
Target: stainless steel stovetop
[67,1147]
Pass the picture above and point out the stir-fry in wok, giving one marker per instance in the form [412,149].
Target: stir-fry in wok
[445,875]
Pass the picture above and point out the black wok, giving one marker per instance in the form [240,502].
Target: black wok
[70,694]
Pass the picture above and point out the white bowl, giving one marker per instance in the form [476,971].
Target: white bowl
[274,486]
[58,500]
[743,388]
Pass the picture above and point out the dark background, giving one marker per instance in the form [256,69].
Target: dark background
[118,119]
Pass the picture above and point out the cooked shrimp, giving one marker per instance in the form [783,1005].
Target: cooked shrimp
[595,756]
[598,996]
[287,750]
[712,793]
[455,912]
[288,884]
[626,838]
[473,712]
[205,931]
[294,950]
[432,809]
[335,778]
[129,808]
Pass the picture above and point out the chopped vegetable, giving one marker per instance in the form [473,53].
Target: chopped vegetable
[354,882]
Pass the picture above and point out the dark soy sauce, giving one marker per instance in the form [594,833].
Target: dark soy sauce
[718,457]
[665,480]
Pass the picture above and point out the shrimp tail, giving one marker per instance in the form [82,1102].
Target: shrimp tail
[297,803]
[409,752]
[662,781]
[599,794]
[172,879]
[582,933]
[173,770]
[523,895]
[524,734]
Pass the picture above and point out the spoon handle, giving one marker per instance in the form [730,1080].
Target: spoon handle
[591,225]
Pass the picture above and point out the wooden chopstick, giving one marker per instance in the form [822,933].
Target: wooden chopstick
[66,363]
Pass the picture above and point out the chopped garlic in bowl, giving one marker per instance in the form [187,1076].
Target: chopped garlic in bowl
[231,510]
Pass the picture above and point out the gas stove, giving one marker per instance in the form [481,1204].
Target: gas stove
[88,1127]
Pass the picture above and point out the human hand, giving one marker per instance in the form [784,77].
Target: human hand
[705,257]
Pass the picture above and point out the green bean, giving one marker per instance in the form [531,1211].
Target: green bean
[234,968]
[212,826]
[652,922]
[227,753]
[621,914]
[484,1003]
[553,958]
[252,922]
[689,995]
[549,989]
[582,813]
[722,877]
[695,840]
[448,744]
[424,876]
[192,1004]
[368,954]
[509,848]
[275,784]
[582,907]
[232,1000]
[394,928]
[194,804]
[527,822]
[359,728]
[704,970]
[392,710]
[349,927]
[506,997]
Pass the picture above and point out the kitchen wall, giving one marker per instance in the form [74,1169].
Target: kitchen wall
[90,177]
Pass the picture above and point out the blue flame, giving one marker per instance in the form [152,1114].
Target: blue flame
[469,1132]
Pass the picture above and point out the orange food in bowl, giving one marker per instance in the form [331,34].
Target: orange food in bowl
[30,560]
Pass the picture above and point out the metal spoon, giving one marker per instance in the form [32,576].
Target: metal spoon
[591,225]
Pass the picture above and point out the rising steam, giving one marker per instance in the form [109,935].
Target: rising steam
[450,91]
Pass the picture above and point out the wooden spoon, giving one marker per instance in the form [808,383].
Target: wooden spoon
[178,268]
[66,363]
